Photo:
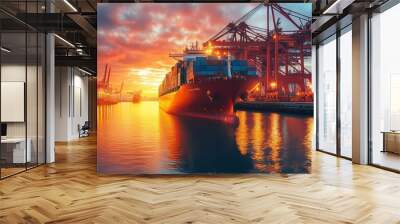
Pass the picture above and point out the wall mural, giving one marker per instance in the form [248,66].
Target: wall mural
[204,88]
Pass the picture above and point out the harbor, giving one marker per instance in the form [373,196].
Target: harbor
[237,99]
[264,67]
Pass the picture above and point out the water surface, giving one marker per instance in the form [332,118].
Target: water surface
[141,139]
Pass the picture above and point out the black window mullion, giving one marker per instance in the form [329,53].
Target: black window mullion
[316,97]
[1,166]
[37,89]
[338,78]
[26,87]
[369,96]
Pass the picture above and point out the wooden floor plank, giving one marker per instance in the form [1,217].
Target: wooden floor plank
[70,191]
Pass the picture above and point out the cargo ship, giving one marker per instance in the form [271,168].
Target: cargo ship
[204,86]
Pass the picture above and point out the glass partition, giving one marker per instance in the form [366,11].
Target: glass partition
[13,94]
[22,91]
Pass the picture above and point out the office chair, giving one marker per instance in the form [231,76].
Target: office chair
[84,130]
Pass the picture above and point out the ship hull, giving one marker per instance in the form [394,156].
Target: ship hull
[208,99]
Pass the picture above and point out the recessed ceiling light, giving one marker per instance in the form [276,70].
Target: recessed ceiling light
[84,71]
[64,40]
[5,50]
[337,7]
[70,5]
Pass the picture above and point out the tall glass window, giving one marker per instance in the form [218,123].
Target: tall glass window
[385,89]
[346,92]
[327,95]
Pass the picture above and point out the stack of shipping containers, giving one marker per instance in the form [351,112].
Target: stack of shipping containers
[187,71]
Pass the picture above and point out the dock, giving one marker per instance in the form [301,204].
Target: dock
[306,108]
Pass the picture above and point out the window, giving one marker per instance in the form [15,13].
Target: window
[385,89]
[346,93]
[327,96]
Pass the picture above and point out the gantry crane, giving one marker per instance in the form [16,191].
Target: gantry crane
[104,84]
[279,54]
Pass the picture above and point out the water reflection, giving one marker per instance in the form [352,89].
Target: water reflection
[139,138]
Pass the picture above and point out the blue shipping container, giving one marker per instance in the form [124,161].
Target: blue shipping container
[239,63]
[252,73]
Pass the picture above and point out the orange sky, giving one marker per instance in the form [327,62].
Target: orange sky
[136,38]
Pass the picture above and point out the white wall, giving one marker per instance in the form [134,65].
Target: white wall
[13,101]
[62,82]
[80,112]
[71,102]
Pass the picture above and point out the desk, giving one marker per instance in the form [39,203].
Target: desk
[17,148]
[391,141]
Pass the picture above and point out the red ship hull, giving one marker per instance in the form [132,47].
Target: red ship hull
[208,98]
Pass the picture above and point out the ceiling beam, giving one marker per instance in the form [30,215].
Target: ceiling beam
[86,26]
[81,61]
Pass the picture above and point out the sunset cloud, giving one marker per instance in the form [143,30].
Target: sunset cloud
[136,38]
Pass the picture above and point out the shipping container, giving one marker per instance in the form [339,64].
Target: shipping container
[186,71]
[239,63]
[182,75]
[190,72]
[252,73]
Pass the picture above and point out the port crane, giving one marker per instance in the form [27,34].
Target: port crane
[104,83]
[278,53]
[105,92]
[120,89]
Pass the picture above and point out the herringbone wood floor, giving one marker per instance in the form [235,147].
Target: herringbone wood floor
[70,191]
